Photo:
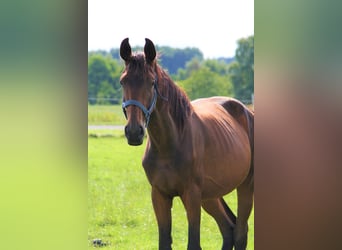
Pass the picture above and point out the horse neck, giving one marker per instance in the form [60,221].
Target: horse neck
[167,121]
[162,130]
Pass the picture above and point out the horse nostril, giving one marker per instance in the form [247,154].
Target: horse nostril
[131,132]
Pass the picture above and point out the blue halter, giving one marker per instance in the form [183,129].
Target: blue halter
[147,112]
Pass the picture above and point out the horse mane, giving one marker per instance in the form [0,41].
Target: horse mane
[179,105]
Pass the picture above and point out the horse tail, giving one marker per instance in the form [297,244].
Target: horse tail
[229,212]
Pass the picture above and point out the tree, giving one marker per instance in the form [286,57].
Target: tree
[103,79]
[190,67]
[170,58]
[242,70]
[206,83]
[173,59]
[218,66]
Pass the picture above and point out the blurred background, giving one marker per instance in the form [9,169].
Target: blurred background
[207,48]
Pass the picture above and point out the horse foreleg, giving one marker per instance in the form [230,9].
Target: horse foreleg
[191,199]
[218,209]
[162,208]
[245,204]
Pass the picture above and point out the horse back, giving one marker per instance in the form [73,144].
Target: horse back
[238,111]
[241,114]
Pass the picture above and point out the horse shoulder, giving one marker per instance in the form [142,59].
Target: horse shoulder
[168,170]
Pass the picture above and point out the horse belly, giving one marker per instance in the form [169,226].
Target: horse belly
[223,173]
[226,154]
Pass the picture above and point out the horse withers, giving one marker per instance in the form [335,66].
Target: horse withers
[199,150]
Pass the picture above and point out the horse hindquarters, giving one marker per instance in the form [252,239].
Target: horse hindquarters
[245,194]
[245,204]
[245,191]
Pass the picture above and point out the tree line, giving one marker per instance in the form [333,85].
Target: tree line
[199,77]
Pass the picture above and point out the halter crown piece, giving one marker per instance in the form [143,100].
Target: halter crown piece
[147,111]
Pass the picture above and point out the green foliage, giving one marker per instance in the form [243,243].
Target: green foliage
[173,59]
[198,77]
[205,78]
[191,66]
[170,58]
[242,70]
[217,66]
[206,83]
[103,79]
[120,211]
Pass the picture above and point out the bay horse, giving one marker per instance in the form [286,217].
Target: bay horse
[199,150]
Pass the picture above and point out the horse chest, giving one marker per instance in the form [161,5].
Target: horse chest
[165,174]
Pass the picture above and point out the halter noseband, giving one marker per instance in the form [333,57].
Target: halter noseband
[147,112]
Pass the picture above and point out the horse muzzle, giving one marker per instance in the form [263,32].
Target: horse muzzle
[134,134]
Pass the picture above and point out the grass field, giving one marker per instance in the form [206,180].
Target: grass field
[105,115]
[119,206]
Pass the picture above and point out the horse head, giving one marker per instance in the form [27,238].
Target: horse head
[138,80]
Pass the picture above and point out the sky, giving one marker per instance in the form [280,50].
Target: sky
[212,26]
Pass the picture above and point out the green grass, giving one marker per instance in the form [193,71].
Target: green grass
[106,133]
[105,114]
[119,203]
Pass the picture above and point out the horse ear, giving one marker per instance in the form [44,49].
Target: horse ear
[125,50]
[149,50]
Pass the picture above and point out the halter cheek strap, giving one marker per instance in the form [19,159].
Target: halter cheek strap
[147,112]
